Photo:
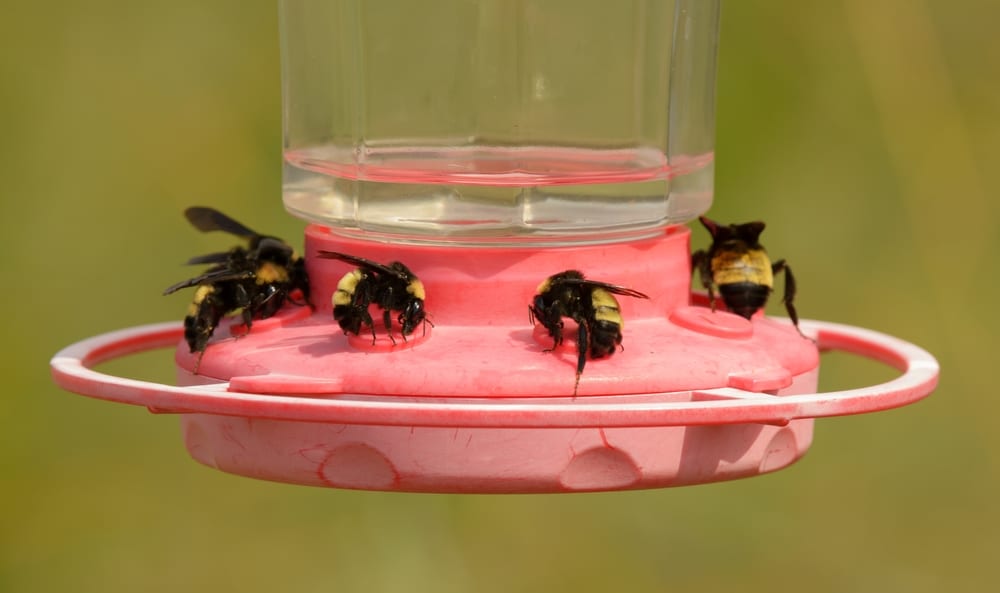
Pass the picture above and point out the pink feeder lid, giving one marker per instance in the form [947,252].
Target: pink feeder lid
[72,370]
[482,343]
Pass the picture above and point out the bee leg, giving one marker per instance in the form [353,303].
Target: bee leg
[703,265]
[366,319]
[789,296]
[555,330]
[582,343]
[536,315]
[550,319]
[360,302]
[270,304]
[697,258]
[246,306]
[387,321]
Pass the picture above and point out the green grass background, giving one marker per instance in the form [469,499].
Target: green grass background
[863,132]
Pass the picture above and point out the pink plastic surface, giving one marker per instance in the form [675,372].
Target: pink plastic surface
[482,343]
[554,444]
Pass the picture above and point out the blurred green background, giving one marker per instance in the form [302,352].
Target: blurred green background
[863,132]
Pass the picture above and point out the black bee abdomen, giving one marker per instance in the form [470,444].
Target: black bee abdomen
[605,338]
[350,319]
[744,298]
[199,327]
[195,334]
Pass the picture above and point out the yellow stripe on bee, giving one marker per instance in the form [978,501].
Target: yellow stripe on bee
[416,288]
[269,273]
[752,266]
[606,307]
[200,294]
[544,286]
[345,288]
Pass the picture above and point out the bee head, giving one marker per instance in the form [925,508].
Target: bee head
[412,316]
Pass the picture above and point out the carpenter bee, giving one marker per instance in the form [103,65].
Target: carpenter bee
[590,304]
[392,287]
[739,266]
[256,279]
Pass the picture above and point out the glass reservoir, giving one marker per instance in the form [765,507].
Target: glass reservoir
[506,122]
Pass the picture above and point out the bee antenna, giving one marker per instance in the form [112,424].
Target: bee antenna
[710,225]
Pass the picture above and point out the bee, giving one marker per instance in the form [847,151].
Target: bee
[257,279]
[739,266]
[392,287]
[591,305]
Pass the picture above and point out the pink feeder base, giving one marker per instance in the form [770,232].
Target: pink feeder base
[470,460]
[499,445]
[493,460]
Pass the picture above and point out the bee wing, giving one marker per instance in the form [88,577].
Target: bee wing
[209,258]
[750,231]
[361,263]
[614,288]
[207,219]
[273,244]
[209,277]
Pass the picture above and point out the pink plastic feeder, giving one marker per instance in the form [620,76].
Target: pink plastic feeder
[499,156]
[477,405]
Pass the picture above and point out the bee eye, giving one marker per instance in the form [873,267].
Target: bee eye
[417,311]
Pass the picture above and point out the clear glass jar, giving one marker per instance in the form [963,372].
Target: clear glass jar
[498,121]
